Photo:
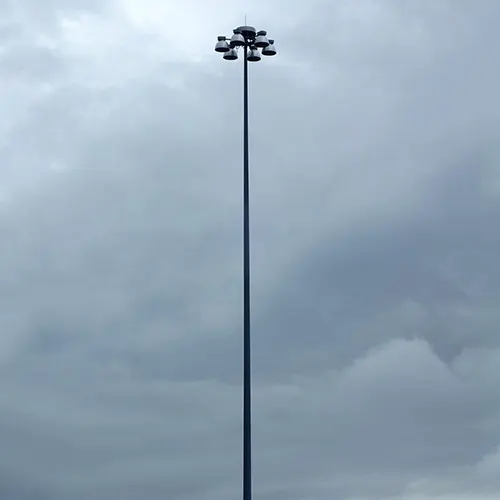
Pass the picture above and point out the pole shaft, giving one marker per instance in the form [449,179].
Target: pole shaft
[247,382]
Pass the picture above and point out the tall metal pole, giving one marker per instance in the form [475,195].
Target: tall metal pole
[251,41]
[247,381]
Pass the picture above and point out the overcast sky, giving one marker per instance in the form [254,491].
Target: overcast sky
[375,170]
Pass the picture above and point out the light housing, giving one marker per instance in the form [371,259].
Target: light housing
[237,40]
[222,45]
[270,50]
[248,32]
[253,54]
[261,40]
[231,55]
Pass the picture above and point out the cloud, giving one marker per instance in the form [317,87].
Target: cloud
[375,276]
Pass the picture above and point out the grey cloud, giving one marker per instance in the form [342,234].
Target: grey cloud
[375,274]
[443,263]
[39,16]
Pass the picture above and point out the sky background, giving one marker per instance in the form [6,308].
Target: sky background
[375,177]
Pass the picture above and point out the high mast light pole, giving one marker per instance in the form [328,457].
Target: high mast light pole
[250,41]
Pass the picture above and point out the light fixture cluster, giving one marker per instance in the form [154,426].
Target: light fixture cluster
[246,36]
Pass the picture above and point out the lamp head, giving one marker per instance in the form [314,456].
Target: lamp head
[221,45]
[237,40]
[261,40]
[269,50]
[253,54]
[231,55]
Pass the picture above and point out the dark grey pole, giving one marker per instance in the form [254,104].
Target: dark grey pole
[251,40]
[247,372]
